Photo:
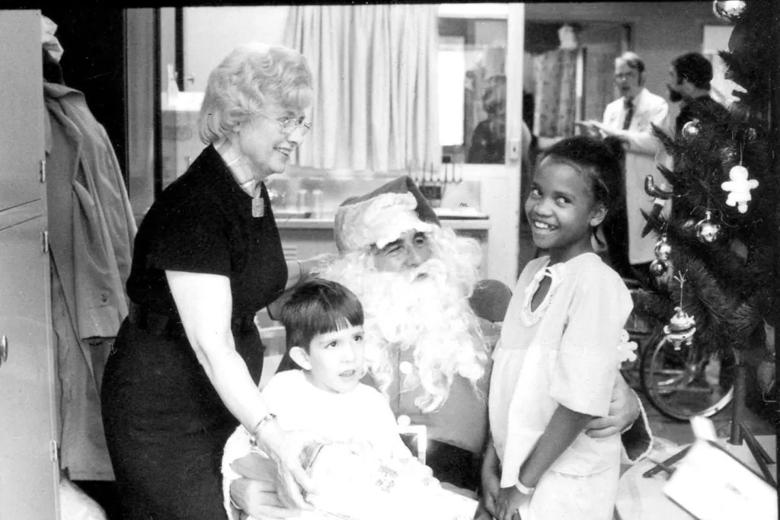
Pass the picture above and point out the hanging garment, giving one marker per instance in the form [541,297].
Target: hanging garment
[556,73]
[91,230]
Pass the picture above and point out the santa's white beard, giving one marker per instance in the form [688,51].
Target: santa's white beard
[426,310]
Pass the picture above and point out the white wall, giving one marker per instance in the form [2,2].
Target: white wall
[661,31]
[210,33]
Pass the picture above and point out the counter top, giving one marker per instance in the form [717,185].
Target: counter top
[327,223]
[455,218]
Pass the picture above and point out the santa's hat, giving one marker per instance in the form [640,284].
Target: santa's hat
[382,216]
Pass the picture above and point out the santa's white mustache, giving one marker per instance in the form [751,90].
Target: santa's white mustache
[432,268]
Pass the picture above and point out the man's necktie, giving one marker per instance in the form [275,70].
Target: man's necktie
[629,106]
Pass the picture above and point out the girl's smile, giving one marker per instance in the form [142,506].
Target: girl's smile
[562,210]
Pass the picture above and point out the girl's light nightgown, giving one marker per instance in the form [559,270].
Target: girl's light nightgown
[564,352]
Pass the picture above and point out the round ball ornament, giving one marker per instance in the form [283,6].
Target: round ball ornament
[665,278]
[658,268]
[728,10]
[663,249]
[691,129]
[688,227]
[707,230]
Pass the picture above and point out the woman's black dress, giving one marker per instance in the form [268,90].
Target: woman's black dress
[165,424]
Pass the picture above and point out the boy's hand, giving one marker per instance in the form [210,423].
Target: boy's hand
[258,499]
[508,504]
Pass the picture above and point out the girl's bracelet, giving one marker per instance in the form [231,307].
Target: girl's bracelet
[522,488]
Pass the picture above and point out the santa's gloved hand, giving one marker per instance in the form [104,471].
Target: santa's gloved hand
[491,331]
[623,411]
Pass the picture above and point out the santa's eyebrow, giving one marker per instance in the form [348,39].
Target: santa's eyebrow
[392,244]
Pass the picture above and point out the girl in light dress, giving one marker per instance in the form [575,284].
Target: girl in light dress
[556,362]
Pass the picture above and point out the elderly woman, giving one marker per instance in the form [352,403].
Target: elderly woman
[184,370]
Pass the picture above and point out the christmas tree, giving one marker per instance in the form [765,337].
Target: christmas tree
[716,255]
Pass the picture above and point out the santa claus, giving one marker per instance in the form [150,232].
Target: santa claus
[428,331]
[426,347]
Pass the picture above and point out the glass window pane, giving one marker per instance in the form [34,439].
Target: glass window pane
[472,89]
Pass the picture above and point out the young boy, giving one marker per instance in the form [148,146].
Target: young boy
[361,467]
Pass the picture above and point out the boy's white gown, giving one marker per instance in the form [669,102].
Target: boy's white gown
[363,470]
[563,352]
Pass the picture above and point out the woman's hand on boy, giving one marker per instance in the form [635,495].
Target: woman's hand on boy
[285,448]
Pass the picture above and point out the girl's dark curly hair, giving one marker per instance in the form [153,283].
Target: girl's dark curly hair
[600,159]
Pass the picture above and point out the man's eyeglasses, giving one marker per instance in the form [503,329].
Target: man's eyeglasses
[288,125]
[625,75]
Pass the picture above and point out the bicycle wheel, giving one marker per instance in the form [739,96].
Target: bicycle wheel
[682,381]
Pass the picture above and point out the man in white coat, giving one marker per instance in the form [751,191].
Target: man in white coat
[630,118]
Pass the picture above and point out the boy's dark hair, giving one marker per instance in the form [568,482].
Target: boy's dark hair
[317,306]
[600,159]
[695,68]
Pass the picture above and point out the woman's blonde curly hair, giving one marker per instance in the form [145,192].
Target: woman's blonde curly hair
[250,77]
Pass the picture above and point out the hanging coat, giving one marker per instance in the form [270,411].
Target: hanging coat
[91,230]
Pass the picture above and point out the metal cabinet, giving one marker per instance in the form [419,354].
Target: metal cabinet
[29,472]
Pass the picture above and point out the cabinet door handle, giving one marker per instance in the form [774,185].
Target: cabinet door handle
[3,349]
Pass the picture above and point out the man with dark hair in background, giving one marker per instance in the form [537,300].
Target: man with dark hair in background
[689,83]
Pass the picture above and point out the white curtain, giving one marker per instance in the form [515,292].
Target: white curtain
[374,67]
